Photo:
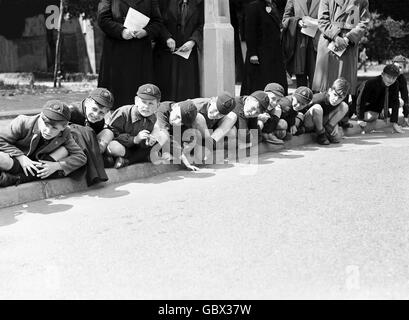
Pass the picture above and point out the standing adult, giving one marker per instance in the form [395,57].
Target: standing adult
[177,77]
[342,23]
[304,15]
[126,61]
[264,59]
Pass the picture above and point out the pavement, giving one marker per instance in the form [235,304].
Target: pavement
[307,223]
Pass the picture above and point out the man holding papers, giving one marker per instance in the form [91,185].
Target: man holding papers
[176,52]
[342,23]
[305,13]
[127,63]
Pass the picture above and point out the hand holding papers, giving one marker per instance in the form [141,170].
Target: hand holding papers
[309,26]
[135,20]
[183,54]
[338,52]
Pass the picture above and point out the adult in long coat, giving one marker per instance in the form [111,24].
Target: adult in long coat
[305,53]
[343,22]
[179,78]
[127,60]
[264,59]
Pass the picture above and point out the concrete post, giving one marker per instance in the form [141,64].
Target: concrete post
[218,49]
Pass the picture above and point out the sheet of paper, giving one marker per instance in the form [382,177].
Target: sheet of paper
[331,47]
[185,54]
[310,31]
[135,20]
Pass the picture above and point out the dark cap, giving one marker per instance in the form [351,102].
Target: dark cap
[275,88]
[391,70]
[57,111]
[225,103]
[188,112]
[304,95]
[103,97]
[262,98]
[149,92]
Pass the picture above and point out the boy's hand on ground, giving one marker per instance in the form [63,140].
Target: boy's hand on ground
[47,168]
[28,165]
[140,34]
[192,168]
[171,44]
[143,135]
[127,34]
[293,130]
[187,46]
[254,60]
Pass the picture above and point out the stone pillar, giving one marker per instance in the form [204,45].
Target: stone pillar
[218,49]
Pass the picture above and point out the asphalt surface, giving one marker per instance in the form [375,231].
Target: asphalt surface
[314,222]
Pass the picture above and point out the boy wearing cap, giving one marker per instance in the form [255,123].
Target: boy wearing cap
[292,107]
[218,116]
[174,119]
[90,131]
[269,122]
[377,95]
[29,146]
[248,109]
[327,109]
[132,126]
[400,62]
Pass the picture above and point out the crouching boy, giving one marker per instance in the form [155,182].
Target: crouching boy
[248,109]
[35,147]
[174,119]
[132,126]
[376,96]
[89,130]
[291,112]
[218,116]
[328,108]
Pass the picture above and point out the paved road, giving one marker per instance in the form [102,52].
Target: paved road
[306,223]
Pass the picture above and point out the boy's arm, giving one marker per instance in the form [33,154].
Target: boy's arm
[117,125]
[361,100]
[403,88]
[358,32]
[106,21]
[394,102]
[10,134]
[76,157]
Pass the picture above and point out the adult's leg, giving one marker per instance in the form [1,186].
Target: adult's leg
[302,80]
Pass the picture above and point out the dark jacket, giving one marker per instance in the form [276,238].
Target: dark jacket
[126,64]
[288,113]
[127,122]
[179,78]
[23,135]
[322,99]
[263,40]
[371,97]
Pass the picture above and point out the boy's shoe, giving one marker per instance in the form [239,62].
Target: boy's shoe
[121,162]
[272,139]
[346,125]
[300,131]
[334,139]
[397,128]
[108,161]
[8,179]
[322,139]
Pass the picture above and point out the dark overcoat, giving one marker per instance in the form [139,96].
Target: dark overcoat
[263,40]
[297,9]
[179,78]
[126,64]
